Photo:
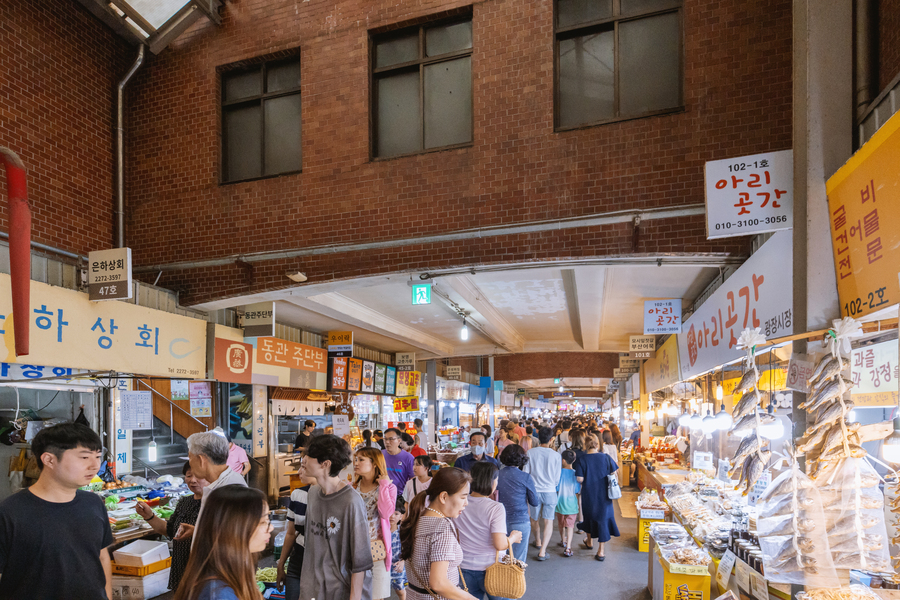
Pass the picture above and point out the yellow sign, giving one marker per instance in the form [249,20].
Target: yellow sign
[68,330]
[664,369]
[644,533]
[876,399]
[862,196]
[406,404]
[635,405]
[340,338]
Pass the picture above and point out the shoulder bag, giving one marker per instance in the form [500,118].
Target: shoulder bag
[615,492]
[506,580]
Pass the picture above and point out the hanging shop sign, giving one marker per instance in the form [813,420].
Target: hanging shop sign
[759,294]
[288,364]
[662,316]
[623,373]
[109,274]
[642,346]
[201,398]
[380,378]
[259,319]
[390,381]
[863,195]
[629,363]
[408,383]
[454,373]
[800,370]
[406,361]
[68,330]
[260,420]
[664,369]
[406,404]
[339,373]
[233,361]
[874,371]
[354,375]
[340,343]
[368,377]
[749,194]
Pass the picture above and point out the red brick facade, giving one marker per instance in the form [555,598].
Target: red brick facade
[58,69]
[737,101]
[548,365]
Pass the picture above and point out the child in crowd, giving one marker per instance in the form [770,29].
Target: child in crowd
[567,503]
[398,569]
[421,481]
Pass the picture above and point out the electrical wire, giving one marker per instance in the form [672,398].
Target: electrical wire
[49,403]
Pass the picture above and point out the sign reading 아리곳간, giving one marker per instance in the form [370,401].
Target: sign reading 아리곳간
[662,316]
[749,194]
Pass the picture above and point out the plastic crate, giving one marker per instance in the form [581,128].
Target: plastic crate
[141,553]
[130,571]
[140,588]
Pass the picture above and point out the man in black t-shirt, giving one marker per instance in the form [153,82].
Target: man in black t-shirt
[53,536]
[304,437]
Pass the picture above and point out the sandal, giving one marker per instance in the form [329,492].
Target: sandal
[587,546]
[568,552]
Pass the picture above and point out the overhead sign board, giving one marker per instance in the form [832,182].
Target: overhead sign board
[340,343]
[662,316]
[623,373]
[233,361]
[454,372]
[749,194]
[259,319]
[109,274]
[406,361]
[758,294]
[664,369]
[625,362]
[642,346]
[421,294]
[863,195]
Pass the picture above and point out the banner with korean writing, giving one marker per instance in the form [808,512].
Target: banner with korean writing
[664,369]
[390,381]
[749,194]
[354,374]
[289,364]
[233,361]
[662,316]
[874,371]
[406,403]
[339,373]
[408,383]
[759,294]
[864,207]
[68,330]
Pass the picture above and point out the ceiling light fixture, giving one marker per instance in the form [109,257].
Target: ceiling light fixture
[464,332]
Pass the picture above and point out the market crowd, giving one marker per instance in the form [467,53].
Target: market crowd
[402,523]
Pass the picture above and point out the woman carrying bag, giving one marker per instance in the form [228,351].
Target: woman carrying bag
[593,472]
[429,542]
[380,496]
[482,530]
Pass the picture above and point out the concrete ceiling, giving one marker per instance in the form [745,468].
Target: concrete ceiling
[572,309]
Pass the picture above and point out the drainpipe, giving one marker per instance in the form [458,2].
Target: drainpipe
[19,247]
[120,148]
[865,56]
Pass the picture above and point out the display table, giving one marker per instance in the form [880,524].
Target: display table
[659,479]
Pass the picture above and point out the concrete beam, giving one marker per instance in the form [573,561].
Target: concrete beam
[492,321]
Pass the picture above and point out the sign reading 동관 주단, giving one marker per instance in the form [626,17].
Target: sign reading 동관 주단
[759,294]
[288,364]
[749,194]
[68,330]
[864,211]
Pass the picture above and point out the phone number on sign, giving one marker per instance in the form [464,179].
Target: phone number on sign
[752,222]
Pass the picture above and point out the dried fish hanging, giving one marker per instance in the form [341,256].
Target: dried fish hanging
[892,513]
[792,537]
[752,457]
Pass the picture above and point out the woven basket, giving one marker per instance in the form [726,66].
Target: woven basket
[505,581]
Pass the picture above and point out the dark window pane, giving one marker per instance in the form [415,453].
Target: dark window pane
[575,12]
[397,50]
[586,80]
[283,76]
[399,124]
[242,85]
[448,38]
[448,103]
[243,140]
[632,7]
[283,134]
[649,63]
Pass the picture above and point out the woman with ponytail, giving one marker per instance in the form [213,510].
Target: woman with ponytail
[429,540]
[221,566]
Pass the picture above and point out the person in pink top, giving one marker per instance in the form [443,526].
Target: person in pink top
[237,458]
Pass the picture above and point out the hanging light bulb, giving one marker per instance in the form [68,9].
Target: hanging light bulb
[723,419]
[685,419]
[720,393]
[708,423]
[453,405]
[648,415]
[151,451]
[890,448]
[464,332]
[773,430]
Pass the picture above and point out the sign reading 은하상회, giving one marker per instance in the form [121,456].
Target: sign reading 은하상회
[864,206]
[109,274]
[749,194]
[662,316]
[759,294]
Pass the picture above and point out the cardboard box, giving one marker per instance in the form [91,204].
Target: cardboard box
[676,586]
[140,588]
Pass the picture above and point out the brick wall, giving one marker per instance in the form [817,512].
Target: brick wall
[737,101]
[888,42]
[547,365]
[58,69]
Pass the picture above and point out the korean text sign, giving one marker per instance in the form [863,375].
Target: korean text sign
[68,330]
[664,369]
[282,353]
[874,371]
[759,294]
[749,194]
[662,316]
[862,196]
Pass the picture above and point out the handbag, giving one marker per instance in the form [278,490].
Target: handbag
[506,580]
[379,552]
[615,492]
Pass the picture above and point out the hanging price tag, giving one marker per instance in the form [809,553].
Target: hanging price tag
[723,573]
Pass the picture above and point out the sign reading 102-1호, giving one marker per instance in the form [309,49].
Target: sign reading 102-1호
[749,194]
[109,274]
[662,316]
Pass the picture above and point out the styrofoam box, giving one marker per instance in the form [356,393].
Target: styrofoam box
[141,553]
[140,588]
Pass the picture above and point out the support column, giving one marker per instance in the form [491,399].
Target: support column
[431,377]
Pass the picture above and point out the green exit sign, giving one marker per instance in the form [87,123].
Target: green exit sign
[556,381]
[421,294]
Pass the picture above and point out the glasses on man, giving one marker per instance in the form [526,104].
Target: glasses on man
[391,439]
